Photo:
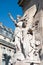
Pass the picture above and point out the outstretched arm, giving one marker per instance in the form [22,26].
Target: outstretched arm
[11,17]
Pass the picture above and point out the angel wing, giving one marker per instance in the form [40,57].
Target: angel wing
[30,12]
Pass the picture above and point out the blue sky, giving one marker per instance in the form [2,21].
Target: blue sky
[7,6]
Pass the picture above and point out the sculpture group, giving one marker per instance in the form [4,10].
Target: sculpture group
[28,44]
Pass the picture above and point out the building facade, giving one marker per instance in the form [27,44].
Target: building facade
[7,47]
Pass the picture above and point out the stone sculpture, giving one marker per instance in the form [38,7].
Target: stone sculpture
[28,47]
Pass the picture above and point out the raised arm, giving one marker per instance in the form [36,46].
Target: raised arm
[11,17]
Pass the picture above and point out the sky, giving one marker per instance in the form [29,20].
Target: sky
[7,6]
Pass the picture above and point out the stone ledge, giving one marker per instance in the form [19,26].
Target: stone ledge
[7,44]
